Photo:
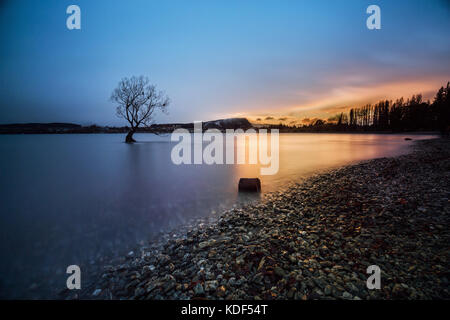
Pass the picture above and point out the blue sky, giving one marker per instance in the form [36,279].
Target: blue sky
[217,59]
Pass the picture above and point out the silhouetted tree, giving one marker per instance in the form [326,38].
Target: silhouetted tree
[412,115]
[441,106]
[137,100]
[352,117]
[396,114]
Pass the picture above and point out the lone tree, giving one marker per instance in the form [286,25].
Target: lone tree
[137,101]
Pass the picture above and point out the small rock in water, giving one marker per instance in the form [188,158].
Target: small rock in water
[249,185]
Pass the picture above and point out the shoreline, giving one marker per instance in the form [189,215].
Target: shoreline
[314,240]
[406,133]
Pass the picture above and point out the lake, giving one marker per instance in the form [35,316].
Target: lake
[76,199]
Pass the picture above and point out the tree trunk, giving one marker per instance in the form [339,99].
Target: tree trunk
[129,137]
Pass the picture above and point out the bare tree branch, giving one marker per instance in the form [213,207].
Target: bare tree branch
[137,101]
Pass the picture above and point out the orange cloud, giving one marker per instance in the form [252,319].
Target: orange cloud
[342,98]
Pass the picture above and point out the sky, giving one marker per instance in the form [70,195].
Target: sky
[293,60]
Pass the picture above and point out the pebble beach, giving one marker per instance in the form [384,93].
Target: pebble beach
[314,240]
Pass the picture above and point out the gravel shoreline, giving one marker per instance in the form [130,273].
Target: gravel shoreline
[313,241]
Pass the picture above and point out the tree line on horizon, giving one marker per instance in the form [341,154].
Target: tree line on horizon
[412,114]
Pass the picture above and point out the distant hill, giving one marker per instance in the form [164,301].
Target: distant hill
[231,123]
[54,127]
[221,124]
[18,128]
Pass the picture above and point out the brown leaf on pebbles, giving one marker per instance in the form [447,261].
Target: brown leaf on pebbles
[221,291]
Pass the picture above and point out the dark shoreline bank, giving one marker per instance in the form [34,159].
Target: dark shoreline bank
[313,241]
[222,125]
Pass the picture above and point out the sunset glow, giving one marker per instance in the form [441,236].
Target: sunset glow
[292,60]
[341,99]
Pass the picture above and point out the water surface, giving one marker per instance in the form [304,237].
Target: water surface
[74,199]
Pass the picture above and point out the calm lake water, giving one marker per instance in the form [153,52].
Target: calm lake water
[73,199]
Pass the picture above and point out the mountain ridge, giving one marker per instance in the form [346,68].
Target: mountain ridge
[66,127]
